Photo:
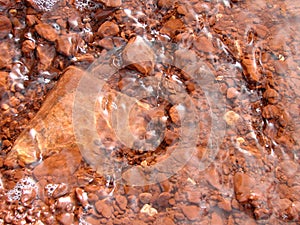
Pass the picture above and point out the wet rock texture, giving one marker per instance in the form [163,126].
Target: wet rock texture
[249,49]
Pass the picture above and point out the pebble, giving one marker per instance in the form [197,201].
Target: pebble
[145,197]
[46,31]
[5,26]
[148,209]
[192,212]
[65,218]
[112,3]
[107,29]
[60,166]
[242,186]
[271,95]
[66,44]
[231,118]
[232,93]
[122,202]
[204,44]
[171,26]
[28,46]
[103,208]
[133,57]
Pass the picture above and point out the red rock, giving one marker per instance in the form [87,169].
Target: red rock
[225,204]
[28,46]
[192,212]
[203,44]
[46,31]
[143,60]
[46,54]
[163,199]
[171,26]
[104,208]
[6,55]
[232,93]
[216,219]
[270,111]
[5,26]
[60,166]
[242,186]
[165,3]
[65,218]
[271,95]
[145,197]
[281,67]
[250,70]
[107,29]
[111,3]
[122,202]
[66,44]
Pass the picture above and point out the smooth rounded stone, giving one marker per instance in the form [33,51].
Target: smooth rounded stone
[122,202]
[191,212]
[143,60]
[46,31]
[5,26]
[271,95]
[104,209]
[108,29]
[166,3]
[145,197]
[231,118]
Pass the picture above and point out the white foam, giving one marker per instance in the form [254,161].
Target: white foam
[26,183]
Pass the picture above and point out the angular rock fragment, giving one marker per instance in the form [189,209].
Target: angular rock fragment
[51,130]
[46,31]
[171,26]
[111,3]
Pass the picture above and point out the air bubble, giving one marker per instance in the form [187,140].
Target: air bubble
[25,183]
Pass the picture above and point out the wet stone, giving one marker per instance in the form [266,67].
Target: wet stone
[5,26]
[6,55]
[142,60]
[111,3]
[46,54]
[171,26]
[122,202]
[145,197]
[191,211]
[271,95]
[46,31]
[104,208]
[66,45]
[65,218]
[107,29]
[242,186]
[28,46]
[60,166]
[204,44]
